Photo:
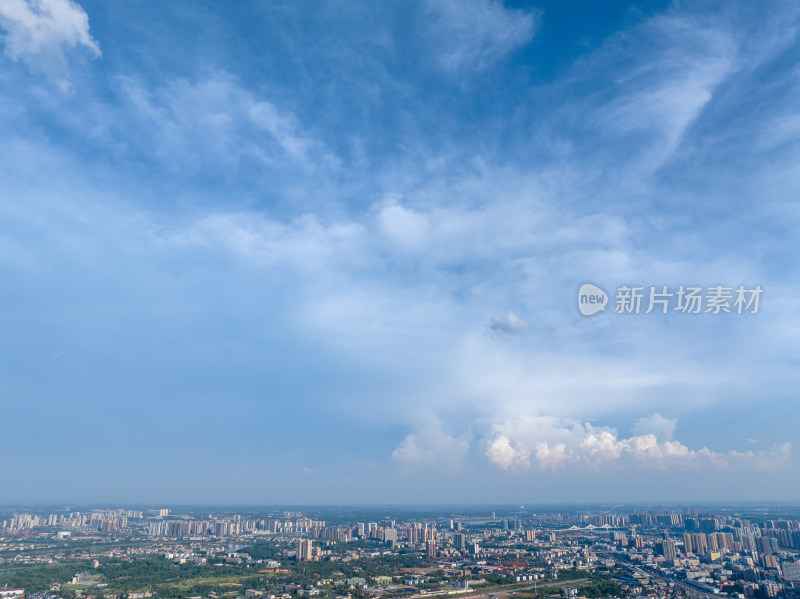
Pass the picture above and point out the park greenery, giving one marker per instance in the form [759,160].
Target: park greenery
[229,578]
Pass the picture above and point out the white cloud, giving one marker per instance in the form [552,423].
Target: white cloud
[501,452]
[603,444]
[405,227]
[545,443]
[304,243]
[474,34]
[432,446]
[283,126]
[212,123]
[41,32]
[551,456]
[493,238]
[655,424]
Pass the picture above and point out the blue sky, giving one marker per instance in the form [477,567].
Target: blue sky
[328,252]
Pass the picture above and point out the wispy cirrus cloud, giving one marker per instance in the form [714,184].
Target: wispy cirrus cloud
[473,35]
[214,122]
[42,33]
[338,243]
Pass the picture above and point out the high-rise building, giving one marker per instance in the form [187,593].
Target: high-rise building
[430,533]
[390,535]
[667,549]
[305,549]
[708,524]
[415,534]
[765,545]
[431,546]
[695,543]
[791,570]
[460,541]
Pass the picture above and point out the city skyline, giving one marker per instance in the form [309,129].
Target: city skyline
[589,553]
[293,253]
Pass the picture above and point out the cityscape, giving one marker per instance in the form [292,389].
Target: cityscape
[738,552]
[741,552]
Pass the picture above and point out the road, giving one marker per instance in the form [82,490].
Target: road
[506,591]
[653,573]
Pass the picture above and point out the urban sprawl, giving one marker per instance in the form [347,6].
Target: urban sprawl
[352,553]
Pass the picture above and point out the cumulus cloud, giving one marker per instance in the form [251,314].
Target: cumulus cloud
[432,446]
[42,32]
[546,444]
[476,33]
[656,425]
[501,452]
